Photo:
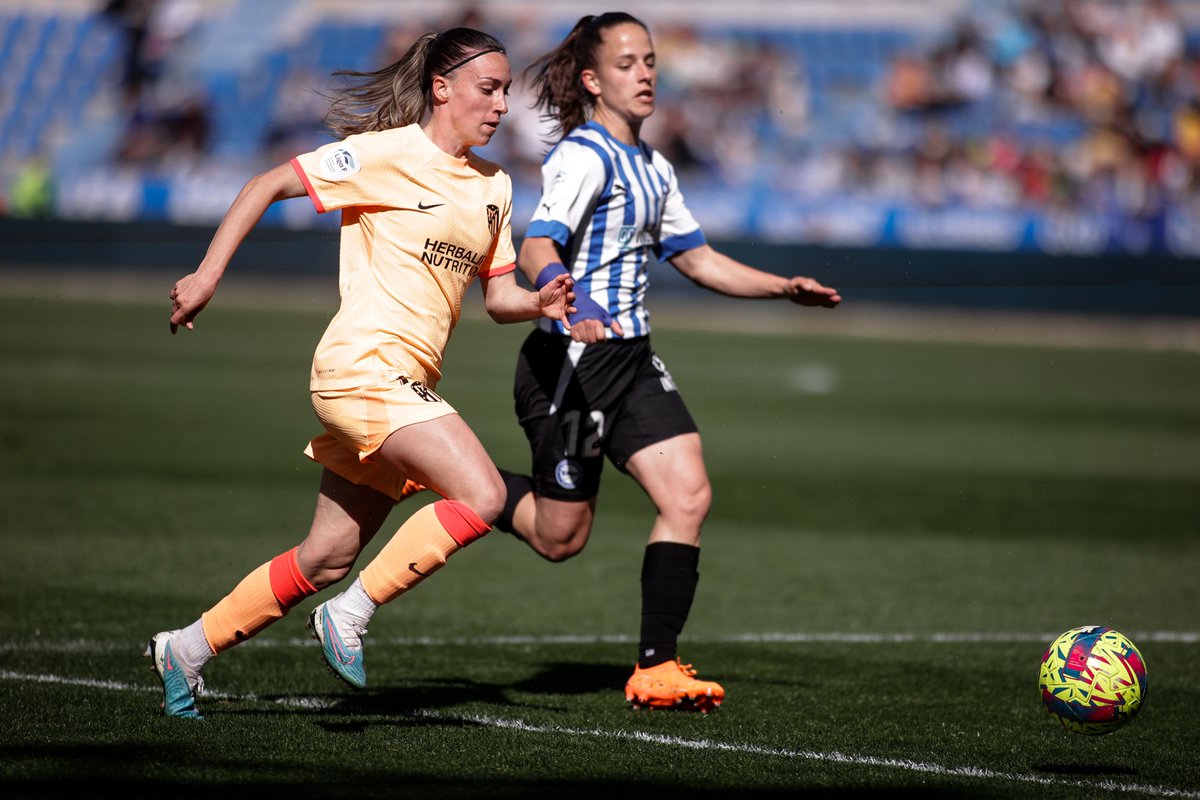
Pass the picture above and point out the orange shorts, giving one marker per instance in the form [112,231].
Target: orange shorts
[358,421]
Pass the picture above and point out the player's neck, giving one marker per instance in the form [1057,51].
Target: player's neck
[446,138]
[623,130]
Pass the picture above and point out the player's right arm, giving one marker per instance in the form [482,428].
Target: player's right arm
[541,263]
[191,293]
[535,253]
[572,178]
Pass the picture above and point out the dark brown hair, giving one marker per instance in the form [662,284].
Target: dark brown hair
[557,88]
[400,94]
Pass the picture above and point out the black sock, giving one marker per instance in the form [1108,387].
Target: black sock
[517,486]
[669,580]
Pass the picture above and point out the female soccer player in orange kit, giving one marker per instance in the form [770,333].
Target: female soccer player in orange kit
[422,216]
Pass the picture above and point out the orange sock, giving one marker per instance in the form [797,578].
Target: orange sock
[263,596]
[420,548]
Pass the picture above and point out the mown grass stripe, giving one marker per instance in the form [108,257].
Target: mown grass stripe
[829,757]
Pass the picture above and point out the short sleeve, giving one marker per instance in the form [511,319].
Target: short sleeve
[351,172]
[680,230]
[573,177]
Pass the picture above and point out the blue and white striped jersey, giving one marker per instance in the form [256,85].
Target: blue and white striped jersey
[607,205]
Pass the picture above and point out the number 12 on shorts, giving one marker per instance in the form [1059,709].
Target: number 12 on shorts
[581,436]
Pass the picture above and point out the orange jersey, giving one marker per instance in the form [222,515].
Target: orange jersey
[417,226]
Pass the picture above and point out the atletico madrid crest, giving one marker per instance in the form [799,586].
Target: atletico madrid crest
[493,215]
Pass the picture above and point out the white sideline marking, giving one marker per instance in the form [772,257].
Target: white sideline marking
[92,683]
[832,757]
[829,757]
[92,646]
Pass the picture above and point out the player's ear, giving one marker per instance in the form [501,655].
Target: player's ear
[590,82]
[441,88]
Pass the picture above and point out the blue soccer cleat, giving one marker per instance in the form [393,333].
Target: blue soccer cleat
[180,684]
[341,643]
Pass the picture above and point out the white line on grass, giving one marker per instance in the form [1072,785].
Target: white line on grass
[92,683]
[833,757]
[966,637]
[829,757]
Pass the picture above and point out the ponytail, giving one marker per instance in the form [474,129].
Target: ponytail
[558,90]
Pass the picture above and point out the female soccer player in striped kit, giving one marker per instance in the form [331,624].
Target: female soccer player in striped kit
[597,389]
[422,215]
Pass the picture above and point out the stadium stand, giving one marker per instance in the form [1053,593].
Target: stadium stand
[1060,127]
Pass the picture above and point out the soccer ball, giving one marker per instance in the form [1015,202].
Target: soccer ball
[1093,680]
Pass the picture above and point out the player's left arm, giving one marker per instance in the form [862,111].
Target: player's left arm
[506,301]
[717,272]
[503,298]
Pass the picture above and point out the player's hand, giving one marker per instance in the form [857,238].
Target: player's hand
[593,330]
[808,292]
[589,320]
[555,299]
[189,296]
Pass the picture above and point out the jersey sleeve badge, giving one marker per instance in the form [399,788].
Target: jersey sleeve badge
[339,163]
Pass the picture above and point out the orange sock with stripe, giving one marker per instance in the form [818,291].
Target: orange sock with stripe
[420,548]
[263,596]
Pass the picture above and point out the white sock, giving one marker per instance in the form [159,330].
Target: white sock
[192,646]
[356,602]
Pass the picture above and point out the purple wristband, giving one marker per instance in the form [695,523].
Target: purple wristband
[586,307]
[549,273]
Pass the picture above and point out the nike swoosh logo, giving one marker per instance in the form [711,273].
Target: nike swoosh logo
[343,655]
[413,567]
[424,207]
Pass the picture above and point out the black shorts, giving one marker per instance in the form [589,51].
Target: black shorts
[581,403]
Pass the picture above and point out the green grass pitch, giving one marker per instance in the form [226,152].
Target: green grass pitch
[899,529]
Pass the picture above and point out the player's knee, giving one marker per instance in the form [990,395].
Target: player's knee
[559,542]
[486,499]
[558,552]
[690,505]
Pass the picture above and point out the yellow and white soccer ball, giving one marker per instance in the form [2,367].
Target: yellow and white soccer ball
[1093,680]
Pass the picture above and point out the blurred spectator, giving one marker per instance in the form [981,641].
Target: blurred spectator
[170,24]
[1037,177]
[32,191]
[1141,41]
[133,17]
[1186,132]
[932,158]
[153,31]
[1095,92]
[911,84]
[170,127]
[965,69]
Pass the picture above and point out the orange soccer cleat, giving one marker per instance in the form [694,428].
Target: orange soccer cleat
[672,684]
